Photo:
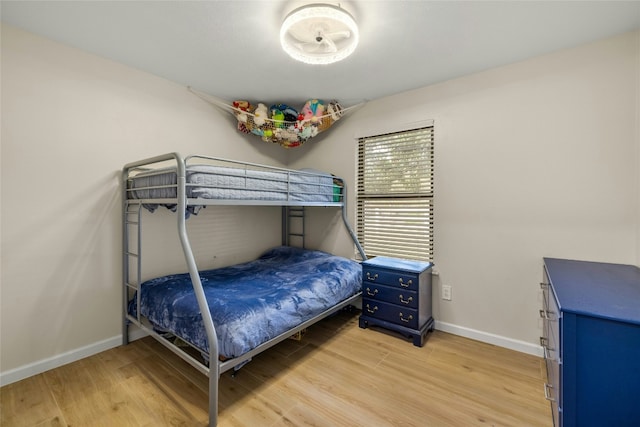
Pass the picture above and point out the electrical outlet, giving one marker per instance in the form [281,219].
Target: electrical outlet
[446,292]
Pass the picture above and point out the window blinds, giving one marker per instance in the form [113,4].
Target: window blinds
[395,194]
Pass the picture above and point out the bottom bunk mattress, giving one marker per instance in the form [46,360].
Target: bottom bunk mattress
[253,302]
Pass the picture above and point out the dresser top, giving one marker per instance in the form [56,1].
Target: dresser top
[398,264]
[598,289]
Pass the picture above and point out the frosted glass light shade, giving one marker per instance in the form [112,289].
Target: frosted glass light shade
[319,34]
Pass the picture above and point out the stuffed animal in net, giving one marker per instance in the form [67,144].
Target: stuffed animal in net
[282,124]
[290,113]
[333,114]
[312,111]
[260,115]
[242,110]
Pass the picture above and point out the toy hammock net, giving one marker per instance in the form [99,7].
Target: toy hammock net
[280,123]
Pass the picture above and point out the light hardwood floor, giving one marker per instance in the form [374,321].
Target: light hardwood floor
[338,375]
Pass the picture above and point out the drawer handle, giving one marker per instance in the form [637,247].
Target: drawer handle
[406,319]
[547,315]
[544,342]
[372,278]
[372,310]
[372,294]
[405,301]
[405,285]
[546,352]
[546,392]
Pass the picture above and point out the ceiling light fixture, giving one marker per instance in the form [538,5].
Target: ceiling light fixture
[319,34]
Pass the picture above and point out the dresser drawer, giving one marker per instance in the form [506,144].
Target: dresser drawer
[401,297]
[551,317]
[400,279]
[550,314]
[550,341]
[552,388]
[393,313]
[553,356]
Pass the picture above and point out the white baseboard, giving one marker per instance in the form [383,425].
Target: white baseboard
[44,365]
[500,341]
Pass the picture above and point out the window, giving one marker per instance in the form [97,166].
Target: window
[395,194]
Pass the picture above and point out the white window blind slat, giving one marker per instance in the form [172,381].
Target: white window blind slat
[395,194]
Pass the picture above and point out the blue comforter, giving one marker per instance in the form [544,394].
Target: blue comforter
[252,302]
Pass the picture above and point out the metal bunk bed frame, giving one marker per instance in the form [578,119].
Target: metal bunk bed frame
[132,217]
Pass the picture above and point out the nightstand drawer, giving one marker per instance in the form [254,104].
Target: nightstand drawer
[390,312]
[401,297]
[394,278]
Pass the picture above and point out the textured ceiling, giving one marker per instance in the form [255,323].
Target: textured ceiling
[231,49]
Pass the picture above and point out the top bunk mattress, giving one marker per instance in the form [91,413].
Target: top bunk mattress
[212,182]
[253,302]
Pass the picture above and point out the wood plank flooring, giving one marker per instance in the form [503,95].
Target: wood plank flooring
[338,375]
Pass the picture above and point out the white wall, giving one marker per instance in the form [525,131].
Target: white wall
[534,159]
[539,158]
[70,121]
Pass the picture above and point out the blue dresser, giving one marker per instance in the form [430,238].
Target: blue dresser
[396,295]
[591,342]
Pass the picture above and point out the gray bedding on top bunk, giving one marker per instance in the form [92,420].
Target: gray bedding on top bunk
[221,182]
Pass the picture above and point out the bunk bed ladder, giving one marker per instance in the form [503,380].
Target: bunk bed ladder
[131,256]
[293,234]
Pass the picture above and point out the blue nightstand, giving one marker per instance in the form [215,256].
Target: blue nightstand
[396,295]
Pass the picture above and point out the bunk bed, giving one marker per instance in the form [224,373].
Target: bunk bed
[291,287]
